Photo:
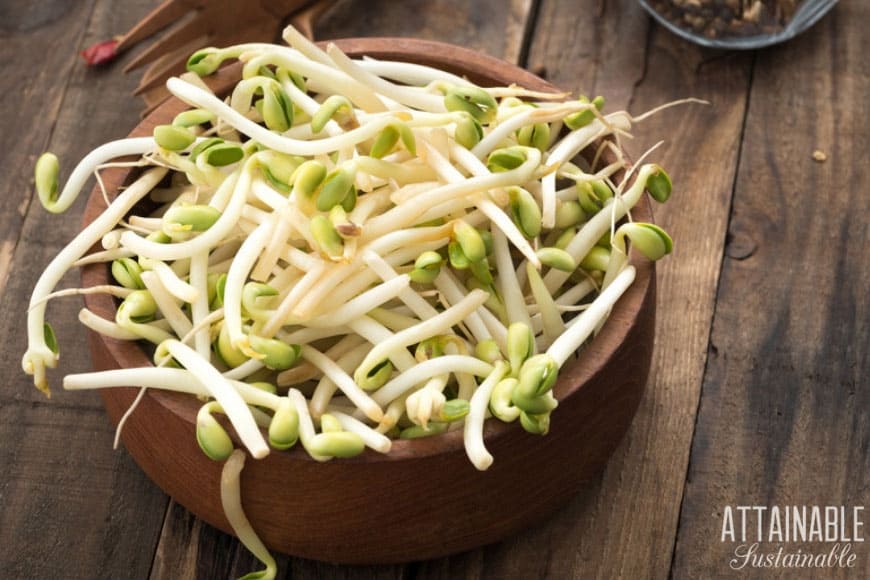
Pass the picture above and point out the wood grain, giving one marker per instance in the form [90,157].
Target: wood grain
[784,416]
[495,28]
[71,506]
[30,92]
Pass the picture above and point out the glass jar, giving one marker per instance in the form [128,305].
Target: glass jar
[737,24]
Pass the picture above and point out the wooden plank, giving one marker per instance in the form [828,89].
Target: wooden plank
[496,28]
[783,419]
[624,524]
[30,91]
[599,49]
[72,507]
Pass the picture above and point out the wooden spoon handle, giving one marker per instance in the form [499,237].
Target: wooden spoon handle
[168,12]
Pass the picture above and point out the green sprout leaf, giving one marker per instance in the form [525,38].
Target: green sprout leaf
[525,211]
[211,436]
[659,185]
[649,239]
[173,138]
[128,273]
[46,175]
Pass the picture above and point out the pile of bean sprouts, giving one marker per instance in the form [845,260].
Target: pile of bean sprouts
[344,252]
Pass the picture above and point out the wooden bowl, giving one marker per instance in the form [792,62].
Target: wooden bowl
[424,499]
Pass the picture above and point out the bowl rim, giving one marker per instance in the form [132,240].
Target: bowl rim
[457,59]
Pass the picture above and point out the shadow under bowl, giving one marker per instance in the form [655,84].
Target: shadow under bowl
[424,499]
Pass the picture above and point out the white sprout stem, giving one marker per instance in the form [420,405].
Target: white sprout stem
[111,239]
[496,329]
[377,333]
[366,301]
[344,382]
[393,319]
[304,370]
[306,305]
[531,116]
[582,327]
[228,188]
[568,148]
[207,239]
[576,141]
[116,291]
[309,106]
[265,193]
[319,76]
[551,318]
[299,259]
[409,212]
[224,251]
[179,322]
[386,272]
[307,335]
[306,425]
[199,309]
[352,283]
[506,279]
[436,325]
[211,318]
[290,301]
[401,173]
[475,448]
[105,327]
[326,387]
[385,196]
[394,412]
[372,439]
[173,284]
[245,369]
[225,394]
[283,280]
[426,401]
[272,250]
[448,363]
[231,501]
[103,256]
[452,291]
[199,98]
[151,224]
[39,355]
[300,42]
[453,207]
[408,96]
[301,225]
[599,224]
[576,293]
[163,378]
[409,73]
[92,161]
[490,209]
[236,277]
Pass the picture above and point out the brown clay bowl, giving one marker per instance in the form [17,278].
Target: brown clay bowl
[424,499]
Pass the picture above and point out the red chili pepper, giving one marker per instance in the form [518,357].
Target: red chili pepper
[100,53]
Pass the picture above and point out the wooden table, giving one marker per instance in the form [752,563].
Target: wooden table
[758,392]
